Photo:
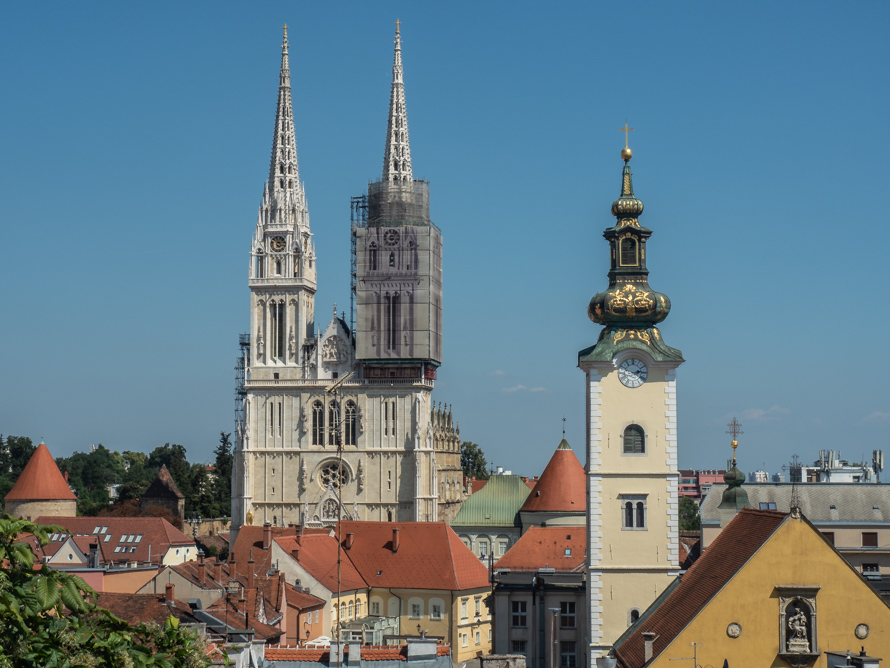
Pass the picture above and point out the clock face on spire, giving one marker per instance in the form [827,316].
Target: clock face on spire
[632,372]
[278,244]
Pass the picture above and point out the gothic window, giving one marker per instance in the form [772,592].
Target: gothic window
[334,423]
[389,516]
[332,476]
[633,512]
[634,440]
[317,423]
[278,267]
[629,252]
[372,253]
[349,424]
[392,311]
[281,169]
[277,312]
[259,271]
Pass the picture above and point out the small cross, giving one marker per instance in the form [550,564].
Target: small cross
[735,428]
[398,23]
[285,31]
[625,130]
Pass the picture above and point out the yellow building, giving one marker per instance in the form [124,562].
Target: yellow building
[769,591]
[631,435]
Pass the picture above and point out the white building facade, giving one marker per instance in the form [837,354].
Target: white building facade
[336,423]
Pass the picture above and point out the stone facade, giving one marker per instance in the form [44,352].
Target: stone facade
[32,509]
[339,423]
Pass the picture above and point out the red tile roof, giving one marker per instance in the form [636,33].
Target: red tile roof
[245,611]
[561,487]
[41,480]
[318,555]
[302,600]
[545,547]
[163,486]
[137,608]
[250,540]
[729,552]
[133,537]
[430,556]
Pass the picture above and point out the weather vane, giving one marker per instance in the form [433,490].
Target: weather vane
[563,426]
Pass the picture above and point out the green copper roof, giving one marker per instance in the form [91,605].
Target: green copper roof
[496,505]
[734,497]
[613,340]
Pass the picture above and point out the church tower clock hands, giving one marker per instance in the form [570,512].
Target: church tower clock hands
[631,433]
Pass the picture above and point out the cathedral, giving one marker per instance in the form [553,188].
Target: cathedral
[336,421]
[631,388]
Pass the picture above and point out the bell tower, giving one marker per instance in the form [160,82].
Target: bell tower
[630,377]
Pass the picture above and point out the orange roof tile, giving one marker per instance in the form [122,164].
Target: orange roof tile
[140,608]
[561,487]
[250,541]
[430,556]
[41,480]
[124,538]
[318,555]
[545,547]
[731,549]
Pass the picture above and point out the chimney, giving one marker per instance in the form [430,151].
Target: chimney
[169,593]
[94,555]
[250,563]
[267,535]
[395,539]
[66,477]
[217,571]
[202,568]
[295,553]
[350,539]
[649,639]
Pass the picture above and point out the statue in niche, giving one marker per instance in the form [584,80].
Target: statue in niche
[304,476]
[260,344]
[292,343]
[360,476]
[303,421]
[797,625]
[329,509]
[249,519]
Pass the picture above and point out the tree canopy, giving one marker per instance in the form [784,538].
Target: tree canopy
[472,461]
[690,519]
[49,617]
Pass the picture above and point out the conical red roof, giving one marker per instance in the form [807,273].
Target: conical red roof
[41,480]
[561,487]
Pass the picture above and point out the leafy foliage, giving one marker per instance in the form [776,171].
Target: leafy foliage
[49,617]
[472,461]
[690,519]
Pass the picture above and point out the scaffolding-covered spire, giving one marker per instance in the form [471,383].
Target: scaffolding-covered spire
[397,157]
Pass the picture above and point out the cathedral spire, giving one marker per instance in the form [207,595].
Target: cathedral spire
[284,172]
[397,156]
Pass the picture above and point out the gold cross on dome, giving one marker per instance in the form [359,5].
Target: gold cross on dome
[398,23]
[625,130]
[285,30]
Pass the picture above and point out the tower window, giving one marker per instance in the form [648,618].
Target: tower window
[334,426]
[317,423]
[629,252]
[277,312]
[634,440]
[372,256]
[349,424]
[392,311]
[633,512]
[278,267]
[259,270]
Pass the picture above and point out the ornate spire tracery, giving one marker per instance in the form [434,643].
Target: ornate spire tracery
[397,156]
[287,199]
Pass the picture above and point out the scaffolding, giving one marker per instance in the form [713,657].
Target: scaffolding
[358,218]
[241,363]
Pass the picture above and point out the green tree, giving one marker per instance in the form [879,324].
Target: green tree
[20,449]
[91,474]
[472,461]
[690,519]
[49,617]
[222,480]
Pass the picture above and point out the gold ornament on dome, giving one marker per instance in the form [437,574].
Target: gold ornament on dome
[628,222]
[635,334]
[630,301]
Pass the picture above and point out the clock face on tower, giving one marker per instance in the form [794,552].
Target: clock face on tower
[278,244]
[391,237]
[632,372]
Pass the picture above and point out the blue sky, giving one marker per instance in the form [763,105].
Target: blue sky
[135,141]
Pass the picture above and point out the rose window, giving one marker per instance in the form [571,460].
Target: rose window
[333,476]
